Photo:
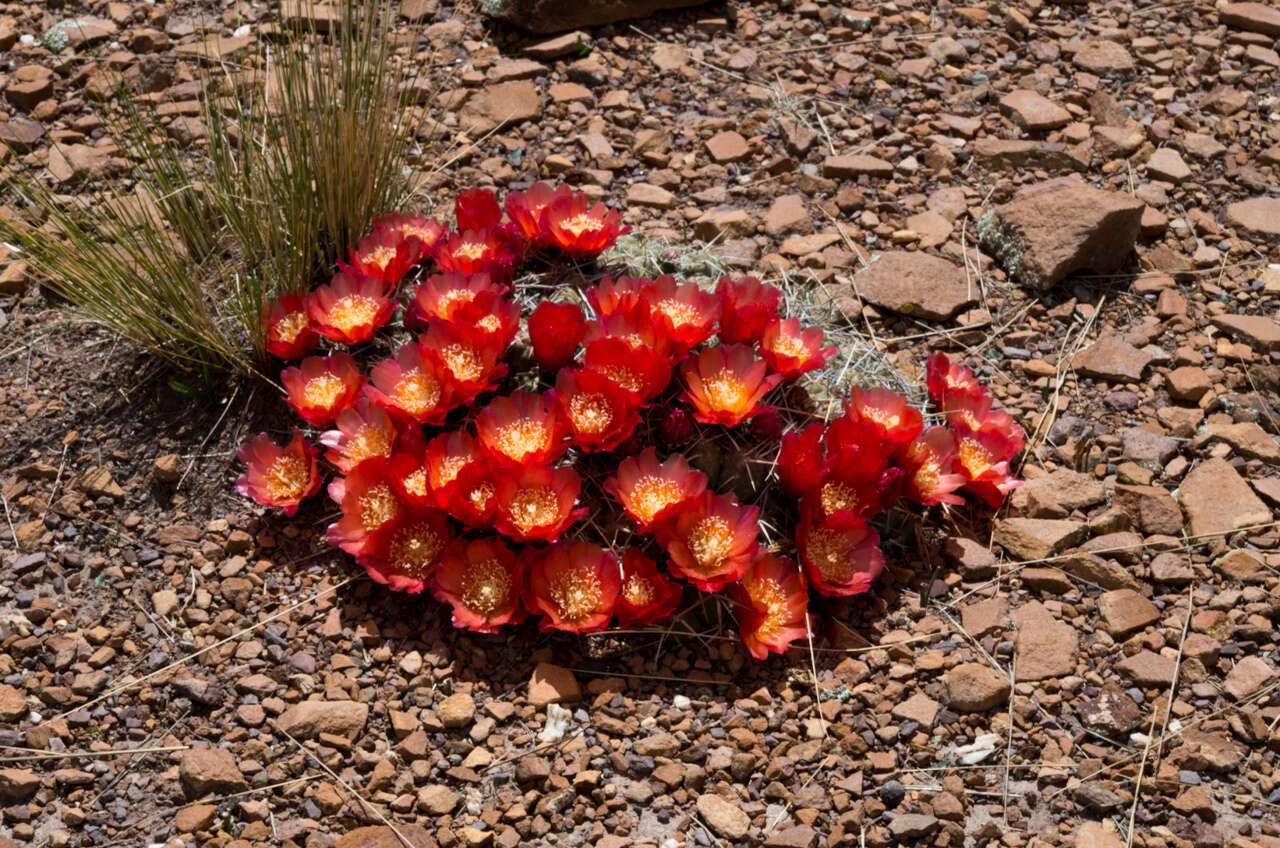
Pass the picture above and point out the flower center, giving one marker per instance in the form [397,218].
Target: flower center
[486,587]
[793,346]
[324,391]
[710,541]
[380,257]
[518,440]
[415,483]
[288,477]
[480,496]
[353,311]
[725,391]
[534,507]
[451,300]
[576,593]
[830,551]
[638,591]
[471,250]
[624,377]
[417,393]
[490,323]
[768,597]
[448,469]
[413,550]
[680,313]
[368,442]
[651,495]
[463,361]
[590,413]
[288,328]
[579,224]
[836,496]
[975,458]
[377,506]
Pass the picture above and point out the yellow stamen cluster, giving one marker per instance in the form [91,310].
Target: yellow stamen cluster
[485,587]
[679,312]
[590,413]
[413,550]
[480,495]
[523,437]
[416,483]
[380,256]
[710,541]
[368,442]
[836,496]
[449,468]
[490,323]
[625,377]
[584,223]
[352,311]
[323,391]
[651,495]
[288,477]
[788,345]
[288,328]
[725,391]
[768,596]
[417,393]
[463,362]
[829,550]
[532,508]
[451,300]
[472,250]
[377,506]
[638,590]
[973,456]
[576,593]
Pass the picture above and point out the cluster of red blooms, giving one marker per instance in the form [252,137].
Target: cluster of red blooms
[471,498]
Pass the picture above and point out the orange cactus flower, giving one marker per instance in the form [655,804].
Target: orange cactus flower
[790,351]
[279,476]
[368,502]
[886,413]
[580,229]
[289,331]
[652,492]
[318,388]
[442,295]
[402,555]
[647,595]
[947,380]
[600,414]
[747,306]
[837,493]
[414,386]
[983,455]
[477,209]
[364,432]
[726,384]
[624,295]
[772,605]
[472,497]
[483,581]
[407,471]
[711,540]
[420,234]
[384,254]
[556,330]
[527,210]
[573,586]
[635,329]
[470,355]
[492,314]
[523,429]
[841,555]
[855,448]
[351,308]
[535,503]
[446,456]
[801,464]
[477,252]
[682,312]
[926,466]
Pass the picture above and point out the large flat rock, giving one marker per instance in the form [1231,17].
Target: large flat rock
[546,16]
[1217,499]
[916,284]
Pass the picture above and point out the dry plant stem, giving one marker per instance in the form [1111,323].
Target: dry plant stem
[1164,723]
[75,755]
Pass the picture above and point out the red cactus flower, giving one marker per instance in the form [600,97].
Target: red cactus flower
[442,295]
[351,308]
[682,312]
[841,555]
[368,502]
[407,471]
[790,351]
[482,580]
[747,306]
[477,252]
[676,427]
[414,386]
[973,410]
[647,595]
[472,496]
[470,355]
[573,586]
[318,388]
[403,554]
[477,209]
[800,462]
[289,331]
[856,448]
[624,295]
[535,503]
[886,413]
[600,413]
[926,467]
[492,314]
[651,493]
[446,456]
[711,541]
[556,330]
[982,457]
[527,210]
[279,476]
[364,431]
[421,234]
[857,496]
[636,329]
[523,429]
[384,254]
[773,605]
[580,229]
[946,380]
[726,384]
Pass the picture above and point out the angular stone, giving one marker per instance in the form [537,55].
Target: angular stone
[457,710]
[912,826]
[308,719]
[1124,611]
[1248,440]
[1053,229]
[1113,359]
[975,687]
[18,785]
[1216,499]
[548,16]
[1251,17]
[73,164]
[1033,112]
[981,618]
[1049,580]
[1148,669]
[1045,647]
[916,284]
[210,770]
[1166,164]
[381,836]
[87,31]
[1029,539]
[438,800]
[195,818]
[643,194]
[29,86]
[1068,489]
[1151,508]
[1102,572]
[1147,448]
[1241,565]
[727,146]
[787,215]
[13,706]
[552,683]
[725,818]
[719,224]
[1104,58]
[501,105]
[1258,330]
[1257,216]
[1248,676]
[1097,835]
[849,167]
[919,708]
[1005,153]
[668,57]
[1110,711]
[20,134]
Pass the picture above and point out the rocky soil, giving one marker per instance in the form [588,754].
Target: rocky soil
[1080,199]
